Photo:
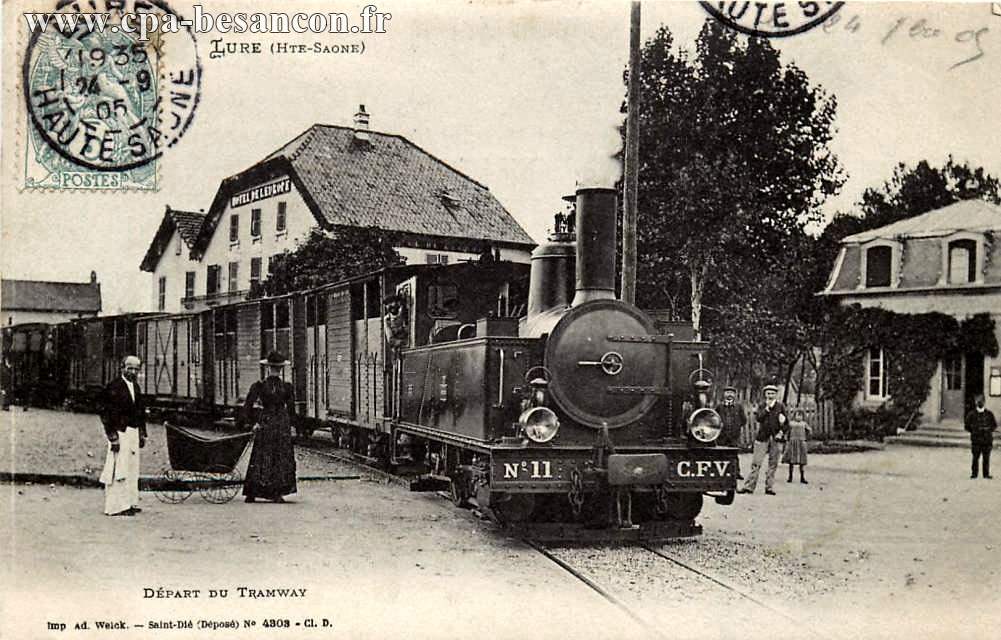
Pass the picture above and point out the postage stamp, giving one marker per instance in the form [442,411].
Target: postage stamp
[102,105]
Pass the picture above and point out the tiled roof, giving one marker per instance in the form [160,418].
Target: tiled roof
[34,295]
[965,215]
[393,184]
[188,224]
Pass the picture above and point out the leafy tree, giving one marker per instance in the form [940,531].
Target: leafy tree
[913,191]
[910,192]
[733,163]
[329,256]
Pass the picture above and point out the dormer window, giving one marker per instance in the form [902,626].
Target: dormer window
[962,261]
[878,266]
[448,198]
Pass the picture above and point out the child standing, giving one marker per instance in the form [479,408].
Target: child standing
[796,448]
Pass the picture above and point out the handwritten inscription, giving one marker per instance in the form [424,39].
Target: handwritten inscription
[970,42]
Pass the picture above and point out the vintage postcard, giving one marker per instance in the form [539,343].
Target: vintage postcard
[343,319]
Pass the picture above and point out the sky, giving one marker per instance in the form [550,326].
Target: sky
[521,96]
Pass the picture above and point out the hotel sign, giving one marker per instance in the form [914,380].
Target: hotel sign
[261,192]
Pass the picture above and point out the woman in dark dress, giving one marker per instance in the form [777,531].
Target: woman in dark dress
[271,472]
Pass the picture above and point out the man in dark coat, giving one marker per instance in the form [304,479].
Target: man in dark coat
[981,424]
[772,424]
[123,412]
[734,420]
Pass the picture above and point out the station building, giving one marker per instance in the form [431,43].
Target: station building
[946,260]
[43,301]
[328,177]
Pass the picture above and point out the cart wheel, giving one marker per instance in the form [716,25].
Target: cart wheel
[173,490]
[221,484]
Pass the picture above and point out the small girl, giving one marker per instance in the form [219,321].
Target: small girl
[795,452]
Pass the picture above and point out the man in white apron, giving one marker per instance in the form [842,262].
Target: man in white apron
[123,413]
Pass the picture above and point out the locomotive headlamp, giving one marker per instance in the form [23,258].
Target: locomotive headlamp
[540,424]
[705,425]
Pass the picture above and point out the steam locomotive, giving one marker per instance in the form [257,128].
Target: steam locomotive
[568,413]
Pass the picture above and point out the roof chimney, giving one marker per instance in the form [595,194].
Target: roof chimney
[361,125]
[93,277]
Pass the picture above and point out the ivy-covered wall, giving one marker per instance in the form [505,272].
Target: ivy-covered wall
[914,345]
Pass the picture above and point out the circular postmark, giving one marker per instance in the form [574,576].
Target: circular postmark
[773,19]
[107,99]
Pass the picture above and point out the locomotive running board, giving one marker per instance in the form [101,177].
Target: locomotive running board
[570,532]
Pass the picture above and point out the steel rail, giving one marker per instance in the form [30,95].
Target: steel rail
[348,458]
[596,588]
[729,587]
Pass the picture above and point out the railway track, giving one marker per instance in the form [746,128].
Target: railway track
[758,612]
[328,451]
[667,595]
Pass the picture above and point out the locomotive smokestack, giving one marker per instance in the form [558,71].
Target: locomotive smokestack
[596,242]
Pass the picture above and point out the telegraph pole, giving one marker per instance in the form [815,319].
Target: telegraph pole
[630,186]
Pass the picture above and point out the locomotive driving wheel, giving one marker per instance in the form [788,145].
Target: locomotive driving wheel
[677,505]
[514,508]
[458,490]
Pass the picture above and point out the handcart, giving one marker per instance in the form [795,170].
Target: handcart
[201,463]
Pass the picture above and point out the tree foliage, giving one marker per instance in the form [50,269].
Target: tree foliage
[329,256]
[910,191]
[734,162]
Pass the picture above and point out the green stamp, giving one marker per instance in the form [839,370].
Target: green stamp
[103,105]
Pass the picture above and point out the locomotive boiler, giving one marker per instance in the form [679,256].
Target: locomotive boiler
[588,419]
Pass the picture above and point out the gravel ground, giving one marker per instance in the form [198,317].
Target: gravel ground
[661,592]
[58,442]
[881,544]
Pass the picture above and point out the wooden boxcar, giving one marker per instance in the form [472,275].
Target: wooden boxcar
[171,350]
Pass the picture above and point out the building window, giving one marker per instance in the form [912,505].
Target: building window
[962,261]
[255,223]
[876,375]
[952,369]
[878,266]
[234,274]
[161,298]
[212,279]
[437,258]
[280,218]
[189,284]
[234,227]
[255,271]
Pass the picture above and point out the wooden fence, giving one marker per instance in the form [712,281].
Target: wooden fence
[819,417]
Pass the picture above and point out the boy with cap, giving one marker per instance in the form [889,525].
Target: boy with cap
[772,421]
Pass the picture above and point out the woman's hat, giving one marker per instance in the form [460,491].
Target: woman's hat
[770,387]
[275,359]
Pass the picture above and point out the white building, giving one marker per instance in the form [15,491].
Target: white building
[40,301]
[947,260]
[328,177]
